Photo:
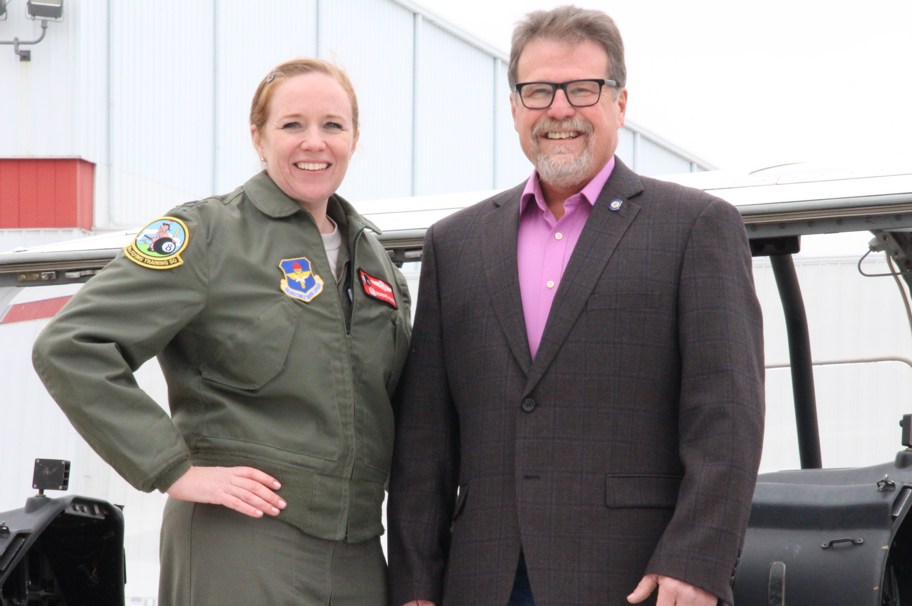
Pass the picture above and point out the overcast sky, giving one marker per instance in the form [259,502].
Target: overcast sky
[748,84]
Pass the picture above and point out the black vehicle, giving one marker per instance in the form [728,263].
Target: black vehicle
[815,536]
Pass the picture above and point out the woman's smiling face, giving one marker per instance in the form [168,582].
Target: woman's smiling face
[308,138]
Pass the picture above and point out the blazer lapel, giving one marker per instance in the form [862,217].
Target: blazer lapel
[597,242]
[499,229]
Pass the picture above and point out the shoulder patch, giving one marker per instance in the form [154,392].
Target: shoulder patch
[158,245]
[300,281]
[377,288]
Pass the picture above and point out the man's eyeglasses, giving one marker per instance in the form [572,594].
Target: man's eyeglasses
[579,93]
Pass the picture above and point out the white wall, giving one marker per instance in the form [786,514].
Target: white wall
[158,94]
[849,316]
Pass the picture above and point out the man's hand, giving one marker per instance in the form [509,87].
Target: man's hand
[672,592]
[243,489]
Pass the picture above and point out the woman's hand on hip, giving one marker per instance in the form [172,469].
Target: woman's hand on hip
[243,489]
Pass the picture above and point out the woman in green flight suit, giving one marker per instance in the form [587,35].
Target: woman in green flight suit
[282,328]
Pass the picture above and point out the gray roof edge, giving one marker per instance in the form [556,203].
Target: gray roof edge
[643,132]
[432,17]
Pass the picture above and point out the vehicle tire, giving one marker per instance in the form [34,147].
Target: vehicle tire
[164,246]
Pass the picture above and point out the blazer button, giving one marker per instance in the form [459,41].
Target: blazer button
[528,404]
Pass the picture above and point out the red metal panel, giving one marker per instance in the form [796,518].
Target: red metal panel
[36,310]
[9,194]
[85,194]
[66,194]
[47,193]
[28,193]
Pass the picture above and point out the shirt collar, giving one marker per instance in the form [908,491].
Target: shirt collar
[589,193]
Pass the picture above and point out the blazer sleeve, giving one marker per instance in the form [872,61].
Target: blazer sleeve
[88,353]
[721,408]
[422,491]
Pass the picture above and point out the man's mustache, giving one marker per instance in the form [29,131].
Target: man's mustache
[584,126]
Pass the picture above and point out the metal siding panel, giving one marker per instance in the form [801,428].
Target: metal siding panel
[28,193]
[54,103]
[625,149]
[66,194]
[374,41]
[46,194]
[250,42]
[512,165]
[453,115]
[90,62]
[9,194]
[653,159]
[85,193]
[162,107]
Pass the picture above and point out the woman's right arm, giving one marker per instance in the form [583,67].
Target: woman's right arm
[88,353]
[86,358]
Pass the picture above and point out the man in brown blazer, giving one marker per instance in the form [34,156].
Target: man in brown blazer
[581,416]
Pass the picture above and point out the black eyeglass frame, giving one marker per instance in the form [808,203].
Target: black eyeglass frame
[555,86]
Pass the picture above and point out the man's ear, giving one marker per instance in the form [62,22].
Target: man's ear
[513,110]
[622,107]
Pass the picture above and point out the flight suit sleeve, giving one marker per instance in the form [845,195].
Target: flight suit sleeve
[87,355]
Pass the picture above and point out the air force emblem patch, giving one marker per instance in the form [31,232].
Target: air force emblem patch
[158,245]
[378,289]
[300,282]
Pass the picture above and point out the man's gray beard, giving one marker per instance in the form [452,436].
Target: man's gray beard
[563,171]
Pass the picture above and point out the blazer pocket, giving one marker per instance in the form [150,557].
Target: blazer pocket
[623,300]
[634,490]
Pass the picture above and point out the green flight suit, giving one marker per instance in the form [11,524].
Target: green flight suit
[258,375]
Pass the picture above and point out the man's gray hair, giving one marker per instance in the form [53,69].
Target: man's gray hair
[574,25]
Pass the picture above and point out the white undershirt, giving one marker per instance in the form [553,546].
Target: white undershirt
[332,242]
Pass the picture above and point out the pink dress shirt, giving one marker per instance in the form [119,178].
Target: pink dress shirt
[544,246]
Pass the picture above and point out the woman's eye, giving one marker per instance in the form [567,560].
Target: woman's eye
[334,125]
[291,125]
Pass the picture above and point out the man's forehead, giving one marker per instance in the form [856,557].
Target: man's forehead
[554,53]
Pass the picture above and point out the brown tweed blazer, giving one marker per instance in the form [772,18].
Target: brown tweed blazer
[629,446]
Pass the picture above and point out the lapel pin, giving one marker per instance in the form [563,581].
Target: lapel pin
[615,204]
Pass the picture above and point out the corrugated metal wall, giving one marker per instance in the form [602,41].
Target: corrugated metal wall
[454,117]
[374,41]
[250,41]
[157,95]
[162,125]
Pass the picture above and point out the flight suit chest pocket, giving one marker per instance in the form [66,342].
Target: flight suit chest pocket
[636,490]
[256,354]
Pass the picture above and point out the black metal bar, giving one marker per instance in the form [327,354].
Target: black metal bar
[800,356]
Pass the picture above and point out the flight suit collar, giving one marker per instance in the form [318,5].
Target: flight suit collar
[272,201]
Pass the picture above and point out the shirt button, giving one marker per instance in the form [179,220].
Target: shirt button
[550,283]
[528,404]
[558,235]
